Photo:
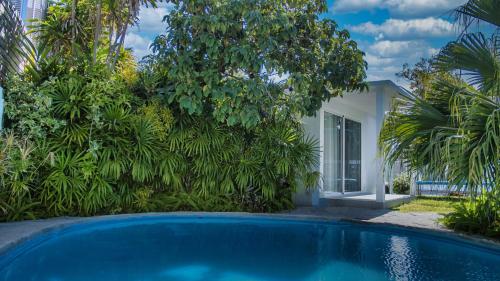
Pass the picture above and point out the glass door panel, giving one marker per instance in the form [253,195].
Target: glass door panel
[332,154]
[352,162]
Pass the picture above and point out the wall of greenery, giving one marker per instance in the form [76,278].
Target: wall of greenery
[82,145]
[89,131]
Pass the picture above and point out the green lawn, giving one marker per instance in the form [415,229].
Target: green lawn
[441,205]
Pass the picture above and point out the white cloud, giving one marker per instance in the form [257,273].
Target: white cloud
[348,6]
[385,58]
[400,8]
[433,51]
[401,38]
[374,60]
[139,44]
[406,29]
[422,7]
[151,19]
[150,24]
[391,68]
[393,49]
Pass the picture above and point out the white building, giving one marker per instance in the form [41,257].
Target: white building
[35,9]
[347,130]
[30,9]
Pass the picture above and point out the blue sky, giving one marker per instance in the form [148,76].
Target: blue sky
[390,32]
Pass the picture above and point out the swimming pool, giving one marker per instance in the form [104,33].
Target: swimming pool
[229,248]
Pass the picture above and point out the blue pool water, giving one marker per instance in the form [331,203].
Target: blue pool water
[172,248]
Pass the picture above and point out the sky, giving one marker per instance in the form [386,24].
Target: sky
[390,32]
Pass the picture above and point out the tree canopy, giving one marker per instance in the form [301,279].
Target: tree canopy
[240,61]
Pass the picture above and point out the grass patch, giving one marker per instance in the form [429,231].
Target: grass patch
[442,205]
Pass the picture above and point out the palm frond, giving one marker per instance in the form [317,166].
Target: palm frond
[16,49]
[476,58]
[451,133]
[479,11]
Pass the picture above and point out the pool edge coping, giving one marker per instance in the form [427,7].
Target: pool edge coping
[474,240]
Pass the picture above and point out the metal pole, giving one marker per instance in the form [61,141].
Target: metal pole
[343,154]
[391,181]
[1,108]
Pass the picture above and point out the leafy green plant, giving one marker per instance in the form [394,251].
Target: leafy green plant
[402,183]
[27,110]
[183,201]
[479,215]
[18,178]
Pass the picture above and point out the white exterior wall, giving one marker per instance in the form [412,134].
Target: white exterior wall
[302,197]
[359,107]
[369,109]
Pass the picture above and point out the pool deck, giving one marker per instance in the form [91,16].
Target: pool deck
[426,220]
[13,233]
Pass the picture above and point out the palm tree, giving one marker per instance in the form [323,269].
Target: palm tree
[97,30]
[452,131]
[70,26]
[74,4]
[16,49]
[123,13]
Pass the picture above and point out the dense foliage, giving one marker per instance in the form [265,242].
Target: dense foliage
[240,61]
[449,128]
[89,132]
[109,157]
[93,30]
[479,216]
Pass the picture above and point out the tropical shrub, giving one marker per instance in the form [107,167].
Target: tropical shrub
[18,178]
[479,215]
[402,183]
[27,110]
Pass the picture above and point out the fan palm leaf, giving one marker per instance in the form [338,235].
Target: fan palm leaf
[479,10]
[477,58]
[16,49]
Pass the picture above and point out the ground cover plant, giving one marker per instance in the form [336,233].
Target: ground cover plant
[436,204]
[209,121]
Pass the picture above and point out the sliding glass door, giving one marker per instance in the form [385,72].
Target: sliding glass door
[332,154]
[341,154]
[352,161]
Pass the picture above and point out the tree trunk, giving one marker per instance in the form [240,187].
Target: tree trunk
[110,39]
[121,35]
[113,43]
[73,25]
[120,45]
[97,32]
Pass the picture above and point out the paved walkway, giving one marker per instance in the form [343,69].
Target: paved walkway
[421,220]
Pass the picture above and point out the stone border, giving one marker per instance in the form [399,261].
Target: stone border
[16,233]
